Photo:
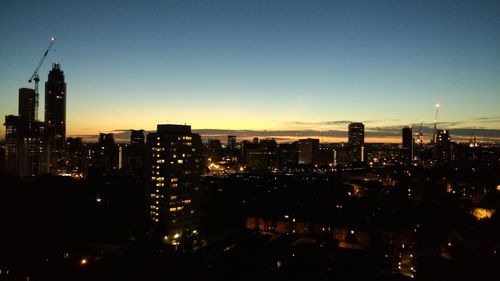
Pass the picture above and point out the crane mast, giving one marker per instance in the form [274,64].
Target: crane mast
[34,76]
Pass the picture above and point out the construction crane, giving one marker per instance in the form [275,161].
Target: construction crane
[435,124]
[420,136]
[420,140]
[34,76]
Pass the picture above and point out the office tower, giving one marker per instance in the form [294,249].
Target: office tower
[231,142]
[356,141]
[176,167]
[442,147]
[55,115]
[407,139]
[308,151]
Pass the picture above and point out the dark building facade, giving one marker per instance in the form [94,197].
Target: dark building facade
[27,110]
[106,156]
[442,147]
[407,145]
[176,167]
[231,142]
[308,151]
[55,115]
[11,136]
[135,154]
[25,145]
[356,141]
[137,137]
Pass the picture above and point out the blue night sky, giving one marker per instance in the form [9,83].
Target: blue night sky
[268,65]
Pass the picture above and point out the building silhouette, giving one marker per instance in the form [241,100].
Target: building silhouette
[356,141]
[442,147]
[25,148]
[135,154]
[176,167]
[308,151]
[407,145]
[137,137]
[55,116]
[27,110]
[106,157]
[231,142]
[11,136]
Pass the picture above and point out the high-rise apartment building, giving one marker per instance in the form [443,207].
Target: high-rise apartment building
[442,147]
[27,110]
[11,136]
[106,156]
[176,167]
[356,141]
[136,154]
[26,149]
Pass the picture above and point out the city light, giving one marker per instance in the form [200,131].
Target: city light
[482,213]
[249,140]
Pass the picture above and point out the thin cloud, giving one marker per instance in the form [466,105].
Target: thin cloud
[458,131]
[340,122]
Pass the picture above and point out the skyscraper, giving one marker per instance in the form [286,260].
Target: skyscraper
[407,144]
[176,166]
[55,114]
[356,141]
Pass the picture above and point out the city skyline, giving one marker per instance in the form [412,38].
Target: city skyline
[282,69]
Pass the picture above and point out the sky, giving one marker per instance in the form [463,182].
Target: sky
[282,69]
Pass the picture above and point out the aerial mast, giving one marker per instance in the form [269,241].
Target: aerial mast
[34,76]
